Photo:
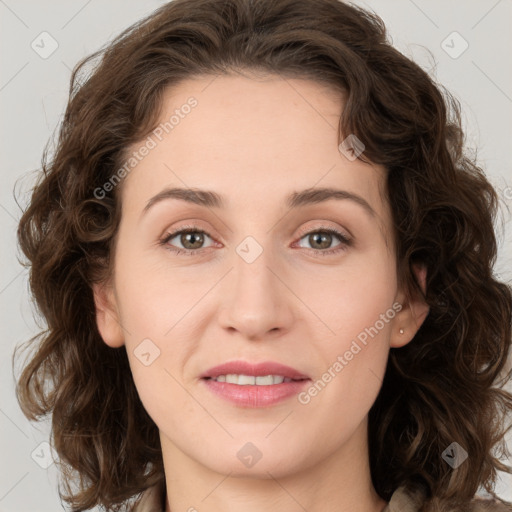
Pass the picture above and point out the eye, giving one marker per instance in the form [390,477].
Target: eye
[322,238]
[192,239]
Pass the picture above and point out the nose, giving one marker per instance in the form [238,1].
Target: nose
[257,301]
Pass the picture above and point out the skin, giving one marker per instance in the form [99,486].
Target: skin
[255,141]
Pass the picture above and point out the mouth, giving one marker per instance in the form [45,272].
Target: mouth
[254,385]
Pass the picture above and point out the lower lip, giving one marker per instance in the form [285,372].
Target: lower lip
[256,396]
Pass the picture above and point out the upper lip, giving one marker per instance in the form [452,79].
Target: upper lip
[256,369]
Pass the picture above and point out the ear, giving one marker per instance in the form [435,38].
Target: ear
[413,313]
[107,317]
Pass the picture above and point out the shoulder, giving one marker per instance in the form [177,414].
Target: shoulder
[407,500]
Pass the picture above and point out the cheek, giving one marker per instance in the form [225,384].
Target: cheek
[358,309]
[154,295]
[353,297]
[156,309]
[166,401]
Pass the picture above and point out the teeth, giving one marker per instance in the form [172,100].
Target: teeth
[251,380]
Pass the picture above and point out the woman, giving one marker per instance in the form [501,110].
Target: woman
[266,267]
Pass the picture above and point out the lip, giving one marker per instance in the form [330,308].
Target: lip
[254,396]
[256,369]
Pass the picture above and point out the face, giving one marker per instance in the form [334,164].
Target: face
[310,285]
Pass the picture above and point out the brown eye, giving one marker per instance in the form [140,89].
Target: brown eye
[191,240]
[322,239]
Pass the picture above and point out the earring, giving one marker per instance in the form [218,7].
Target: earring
[401,331]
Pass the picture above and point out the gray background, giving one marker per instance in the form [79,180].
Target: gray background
[33,95]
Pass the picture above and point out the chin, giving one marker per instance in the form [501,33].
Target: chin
[259,458]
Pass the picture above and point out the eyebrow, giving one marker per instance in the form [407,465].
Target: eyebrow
[211,199]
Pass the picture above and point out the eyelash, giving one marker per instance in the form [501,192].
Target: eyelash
[345,242]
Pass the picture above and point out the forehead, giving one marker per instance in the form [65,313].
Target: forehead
[249,122]
[251,139]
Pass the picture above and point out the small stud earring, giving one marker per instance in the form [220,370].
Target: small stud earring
[401,331]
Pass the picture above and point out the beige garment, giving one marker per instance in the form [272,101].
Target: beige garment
[153,500]
[403,501]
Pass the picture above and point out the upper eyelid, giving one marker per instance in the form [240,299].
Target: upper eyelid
[314,229]
[302,231]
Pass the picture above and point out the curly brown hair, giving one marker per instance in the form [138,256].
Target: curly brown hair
[445,386]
